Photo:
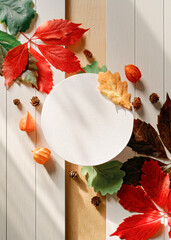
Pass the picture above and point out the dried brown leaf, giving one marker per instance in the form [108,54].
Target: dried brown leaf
[114,89]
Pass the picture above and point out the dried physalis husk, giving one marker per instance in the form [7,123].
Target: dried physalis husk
[41,155]
[114,89]
[27,123]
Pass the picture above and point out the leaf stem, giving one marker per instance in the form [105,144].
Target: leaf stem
[25,36]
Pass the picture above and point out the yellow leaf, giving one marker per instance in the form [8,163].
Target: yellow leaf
[114,89]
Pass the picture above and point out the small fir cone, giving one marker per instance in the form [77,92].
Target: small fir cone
[87,53]
[73,174]
[35,101]
[95,201]
[16,101]
[137,103]
[154,97]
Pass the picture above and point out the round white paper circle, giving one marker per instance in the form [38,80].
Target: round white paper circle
[81,125]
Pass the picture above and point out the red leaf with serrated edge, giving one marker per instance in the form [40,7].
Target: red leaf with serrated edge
[138,227]
[169,223]
[155,182]
[55,28]
[61,58]
[134,199]
[69,39]
[45,78]
[169,203]
[15,63]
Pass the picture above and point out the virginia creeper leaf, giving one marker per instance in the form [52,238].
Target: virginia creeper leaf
[55,29]
[145,140]
[139,227]
[94,68]
[68,39]
[30,74]
[134,199]
[132,168]
[106,178]
[8,41]
[15,63]
[16,14]
[45,78]
[155,188]
[164,123]
[155,182]
[61,58]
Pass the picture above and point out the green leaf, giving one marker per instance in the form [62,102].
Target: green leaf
[8,41]
[94,68]
[3,53]
[106,178]
[17,14]
[30,74]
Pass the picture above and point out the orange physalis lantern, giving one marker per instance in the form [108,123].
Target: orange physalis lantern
[41,155]
[27,123]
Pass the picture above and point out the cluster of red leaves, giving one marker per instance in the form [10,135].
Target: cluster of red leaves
[153,193]
[52,33]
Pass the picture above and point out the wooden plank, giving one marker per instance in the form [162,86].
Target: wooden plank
[120,51]
[50,178]
[83,221]
[3,156]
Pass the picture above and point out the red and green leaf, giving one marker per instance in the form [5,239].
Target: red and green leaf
[45,77]
[15,63]
[61,58]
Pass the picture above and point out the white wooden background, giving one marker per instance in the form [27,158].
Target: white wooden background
[32,202]
[139,32]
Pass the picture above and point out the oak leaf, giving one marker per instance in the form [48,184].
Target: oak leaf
[106,178]
[114,89]
[147,200]
[145,140]
[94,68]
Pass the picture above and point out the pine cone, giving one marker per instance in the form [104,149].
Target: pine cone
[137,103]
[95,201]
[154,97]
[73,174]
[87,53]
[16,101]
[35,101]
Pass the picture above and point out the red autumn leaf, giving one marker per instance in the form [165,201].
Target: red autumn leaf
[138,227]
[155,189]
[134,199]
[15,63]
[55,28]
[156,183]
[69,39]
[45,78]
[61,58]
